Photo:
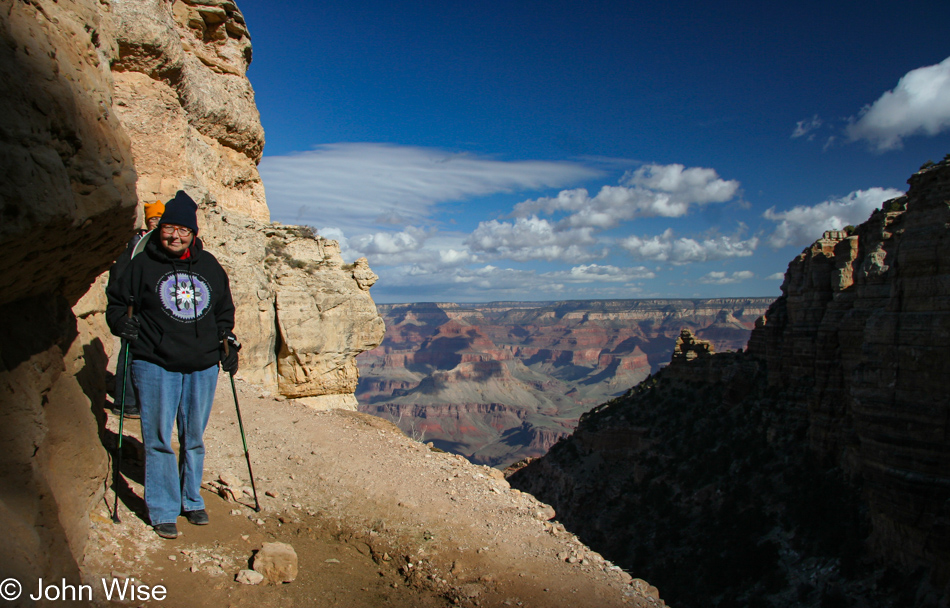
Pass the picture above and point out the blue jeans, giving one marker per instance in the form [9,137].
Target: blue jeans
[165,397]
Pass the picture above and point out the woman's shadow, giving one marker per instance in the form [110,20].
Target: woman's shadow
[99,385]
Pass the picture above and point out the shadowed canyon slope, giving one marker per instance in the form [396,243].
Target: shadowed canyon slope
[813,469]
[501,381]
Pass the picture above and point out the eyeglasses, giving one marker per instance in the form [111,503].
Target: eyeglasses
[170,229]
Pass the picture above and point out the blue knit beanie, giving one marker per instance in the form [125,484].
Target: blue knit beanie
[181,211]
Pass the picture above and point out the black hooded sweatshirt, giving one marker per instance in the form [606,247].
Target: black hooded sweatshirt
[183,306]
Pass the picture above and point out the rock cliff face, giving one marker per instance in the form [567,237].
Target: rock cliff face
[862,331]
[502,381]
[68,205]
[826,441]
[182,96]
[302,314]
[107,104]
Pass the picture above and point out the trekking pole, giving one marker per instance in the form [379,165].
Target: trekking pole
[247,456]
[118,458]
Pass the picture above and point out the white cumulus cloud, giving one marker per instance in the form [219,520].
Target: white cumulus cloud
[724,278]
[531,238]
[801,225]
[453,257]
[693,185]
[410,239]
[665,248]
[920,103]
[429,250]
[650,191]
[595,273]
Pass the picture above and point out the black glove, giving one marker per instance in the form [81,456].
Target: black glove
[127,328]
[229,352]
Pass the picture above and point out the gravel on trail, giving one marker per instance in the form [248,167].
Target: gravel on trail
[375,518]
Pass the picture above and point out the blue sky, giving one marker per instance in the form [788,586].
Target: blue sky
[575,150]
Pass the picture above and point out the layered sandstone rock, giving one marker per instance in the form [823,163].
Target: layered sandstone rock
[182,95]
[68,180]
[826,438]
[688,348]
[325,317]
[862,330]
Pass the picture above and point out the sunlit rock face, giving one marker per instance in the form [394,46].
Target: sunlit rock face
[502,381]
[826,441]
[302,313]
[182,95]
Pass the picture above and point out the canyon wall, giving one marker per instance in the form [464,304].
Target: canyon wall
[68,206]
[107,104]
[861,331]
[502,381]
[798,471]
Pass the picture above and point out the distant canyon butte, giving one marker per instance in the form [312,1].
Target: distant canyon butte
[501,381]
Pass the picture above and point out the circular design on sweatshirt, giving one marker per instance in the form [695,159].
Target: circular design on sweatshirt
[184,296]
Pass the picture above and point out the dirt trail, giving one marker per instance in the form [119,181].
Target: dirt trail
[375,518]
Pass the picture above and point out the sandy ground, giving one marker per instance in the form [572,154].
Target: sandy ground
[375,518]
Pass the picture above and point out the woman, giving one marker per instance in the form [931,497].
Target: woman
[182,311]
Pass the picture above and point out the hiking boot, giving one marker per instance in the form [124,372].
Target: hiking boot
[197,518]
[131,412]
[166,530]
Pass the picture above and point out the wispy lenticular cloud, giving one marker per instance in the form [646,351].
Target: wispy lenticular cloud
[352,186]
[802,225]
[920,103]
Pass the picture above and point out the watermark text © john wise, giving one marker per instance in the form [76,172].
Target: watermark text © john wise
[112,589]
